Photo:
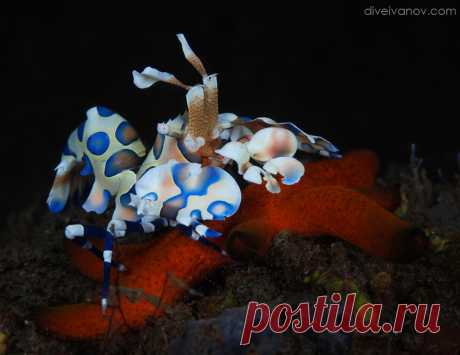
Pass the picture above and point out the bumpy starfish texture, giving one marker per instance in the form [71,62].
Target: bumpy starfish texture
[335,197]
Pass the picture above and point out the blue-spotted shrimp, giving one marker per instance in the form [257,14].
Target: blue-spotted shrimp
[184,179]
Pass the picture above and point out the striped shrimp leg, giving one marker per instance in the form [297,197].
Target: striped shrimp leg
[71,156]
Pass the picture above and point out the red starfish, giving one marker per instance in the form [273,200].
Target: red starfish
[335,197]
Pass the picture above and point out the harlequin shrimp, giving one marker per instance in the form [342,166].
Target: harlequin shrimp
[107,147]
[183,180]
[187,193]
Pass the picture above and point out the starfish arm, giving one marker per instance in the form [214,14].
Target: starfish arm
[165,270]
[335,197]
[330,210]
[387,198]
[356,169]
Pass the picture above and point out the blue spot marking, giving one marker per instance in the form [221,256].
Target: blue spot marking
[80,130]
[221,209]
[122,131]
[174,204]
[87,168]
[291,179]
[211,233]
[104,111]
[56,205]
[245,118]
[196,214]
[98,143]
[125,199]
[104,206]
[120,161]
[158,146]
[68,151]
[151,196]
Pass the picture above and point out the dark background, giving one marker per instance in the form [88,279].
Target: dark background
[359,81]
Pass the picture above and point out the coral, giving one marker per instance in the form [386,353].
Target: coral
[432,207]
[335,197]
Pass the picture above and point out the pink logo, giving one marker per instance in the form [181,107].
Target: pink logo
[325,317]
